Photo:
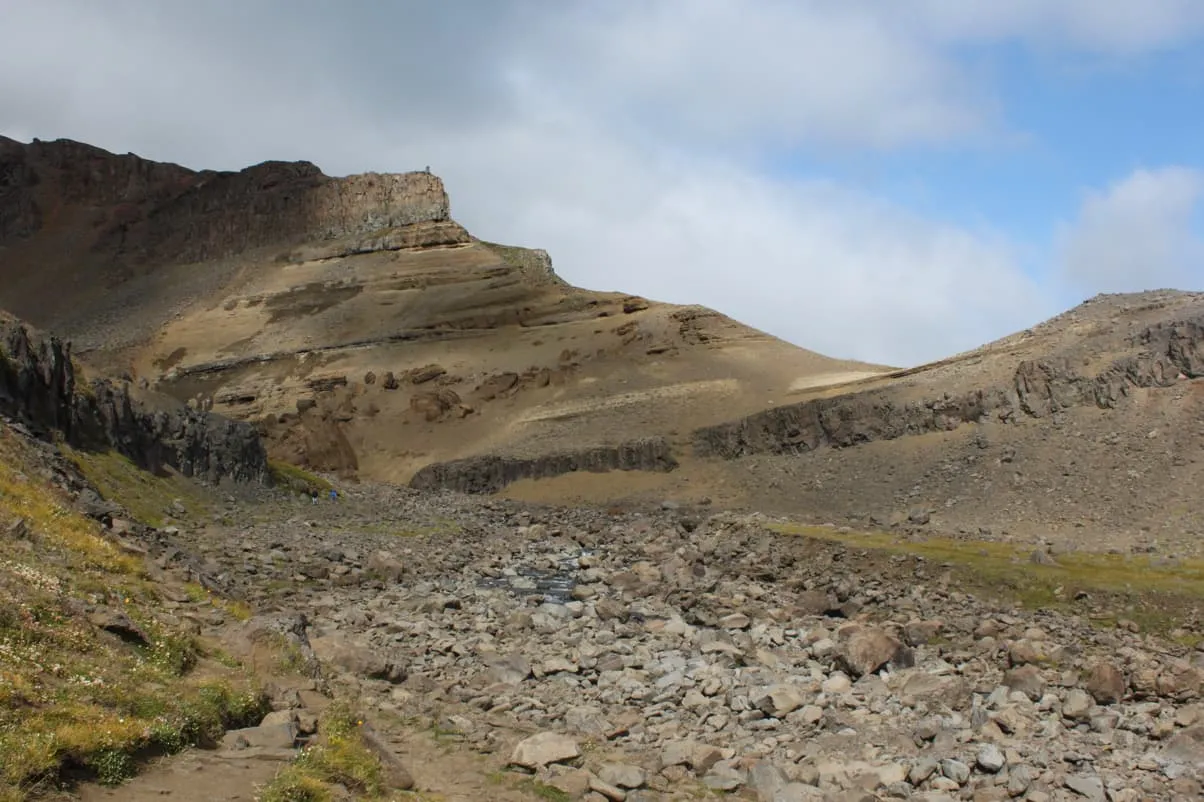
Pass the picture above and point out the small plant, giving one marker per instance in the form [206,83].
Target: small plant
[112,766]
[341,758]
[289,657]
[176,654]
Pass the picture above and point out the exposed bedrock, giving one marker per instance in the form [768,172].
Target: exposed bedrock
[38,388]
[490,473]
[1039,388]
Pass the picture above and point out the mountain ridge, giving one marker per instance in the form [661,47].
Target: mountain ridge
[354,321]
[420,354]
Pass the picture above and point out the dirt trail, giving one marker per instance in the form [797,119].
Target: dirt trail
[442,772]
[194,776]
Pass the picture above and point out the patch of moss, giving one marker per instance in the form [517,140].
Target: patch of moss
[544,791]
[236,609]
[296,479]
[147,497]
[1156,594]
[438,527]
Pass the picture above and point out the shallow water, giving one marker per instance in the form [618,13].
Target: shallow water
[555,586]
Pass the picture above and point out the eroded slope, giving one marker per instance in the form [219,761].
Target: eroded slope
[361,328]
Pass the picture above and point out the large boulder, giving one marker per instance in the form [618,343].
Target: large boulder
[358,659]
[543,749]
[1105,683]
[868,649]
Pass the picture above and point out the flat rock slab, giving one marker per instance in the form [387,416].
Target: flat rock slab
[544,749]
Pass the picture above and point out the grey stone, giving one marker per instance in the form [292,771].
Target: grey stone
[990,758]
[1092,788]
[955,770]
[544,748]
[622,775]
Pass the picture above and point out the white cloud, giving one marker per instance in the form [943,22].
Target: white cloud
[821,265]
[775,72]
[1108,27]
[1138,234]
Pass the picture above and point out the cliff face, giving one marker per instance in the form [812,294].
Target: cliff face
[489,474]
[1159,355]
[38,388]
[150,212]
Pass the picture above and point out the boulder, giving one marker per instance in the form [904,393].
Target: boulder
[622,775]
[543,749]
[869,649]
[385,566]
[358,659]
[1105,683]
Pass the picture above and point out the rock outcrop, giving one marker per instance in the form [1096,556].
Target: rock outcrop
[152,212]
[38,389]
[488,474]
[1164,354]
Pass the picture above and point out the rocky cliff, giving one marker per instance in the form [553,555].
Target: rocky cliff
[491,473]
[105,248]
[1158,355]
[38,389]
[150,212]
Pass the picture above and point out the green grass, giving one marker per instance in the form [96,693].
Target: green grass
[73,697]
[296,479]
[340,758]
[434,528]
[1160,595]
[147,497]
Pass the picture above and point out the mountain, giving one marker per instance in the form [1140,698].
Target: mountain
[359,326]
[1084,429]
[364,332]
[1005,601]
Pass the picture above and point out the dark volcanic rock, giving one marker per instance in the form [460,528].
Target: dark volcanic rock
[1039,388]
[38,388]
[488,474]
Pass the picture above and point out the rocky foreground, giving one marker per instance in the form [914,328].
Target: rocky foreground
[656,654]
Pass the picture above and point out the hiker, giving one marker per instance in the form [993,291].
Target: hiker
[313,497]
[334,494]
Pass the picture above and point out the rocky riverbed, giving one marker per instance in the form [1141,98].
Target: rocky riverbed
[652,654]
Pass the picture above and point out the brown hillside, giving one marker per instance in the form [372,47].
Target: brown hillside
[364,329]
[365,332]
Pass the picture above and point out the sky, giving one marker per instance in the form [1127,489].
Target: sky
[886,180]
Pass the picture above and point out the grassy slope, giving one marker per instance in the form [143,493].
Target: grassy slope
[1161,594]
[77,701]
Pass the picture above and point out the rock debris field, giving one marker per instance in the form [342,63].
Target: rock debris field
[671,653]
